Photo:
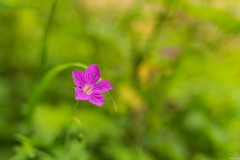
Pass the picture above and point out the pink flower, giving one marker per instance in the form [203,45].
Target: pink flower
[88,85]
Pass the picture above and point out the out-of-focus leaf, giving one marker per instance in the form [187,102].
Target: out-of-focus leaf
[49,126]
[25,150]
[222,18]
[102,124]
[201,157]
[109,35]
[78,152]
[6,6]
[195,121]
[172,148]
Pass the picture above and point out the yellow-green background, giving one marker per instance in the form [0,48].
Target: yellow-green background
[174,64]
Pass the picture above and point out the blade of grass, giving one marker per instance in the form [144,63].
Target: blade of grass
[44,52]
[43,84]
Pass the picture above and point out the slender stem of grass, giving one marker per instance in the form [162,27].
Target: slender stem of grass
[48,77]
[43,52]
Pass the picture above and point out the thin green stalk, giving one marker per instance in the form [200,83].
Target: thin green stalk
[44,52]
[67,137]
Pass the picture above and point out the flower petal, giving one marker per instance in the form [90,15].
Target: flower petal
[78,78]
[92,74]
[96,98]
[79,95]
[103,86]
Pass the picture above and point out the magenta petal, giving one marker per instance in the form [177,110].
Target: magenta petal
[103,86]
[92,74]
[78,78]
[96,98]
[79,95]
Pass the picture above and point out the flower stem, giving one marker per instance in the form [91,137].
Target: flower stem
[67,137]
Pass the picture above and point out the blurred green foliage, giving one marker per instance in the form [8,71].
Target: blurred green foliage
[174,66]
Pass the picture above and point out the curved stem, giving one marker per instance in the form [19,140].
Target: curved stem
[43,84]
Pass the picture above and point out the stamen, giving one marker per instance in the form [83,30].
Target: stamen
[87,89]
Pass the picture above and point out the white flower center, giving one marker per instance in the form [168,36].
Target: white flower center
[87,89]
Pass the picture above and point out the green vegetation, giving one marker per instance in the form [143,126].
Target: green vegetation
[174,65]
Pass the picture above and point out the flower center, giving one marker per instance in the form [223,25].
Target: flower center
[87,89]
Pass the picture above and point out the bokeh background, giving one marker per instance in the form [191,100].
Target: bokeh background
[174,64]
